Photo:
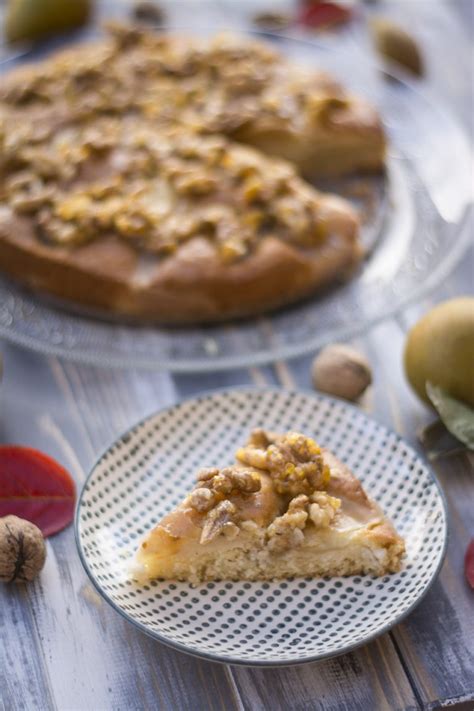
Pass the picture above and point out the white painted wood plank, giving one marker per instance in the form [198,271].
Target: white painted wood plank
[74,651]
[367,679]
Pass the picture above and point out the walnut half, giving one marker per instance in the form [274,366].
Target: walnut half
[210,497]
[220,520]
[286,531]
[294,461]
[201,499]
[323,508]
[230,480]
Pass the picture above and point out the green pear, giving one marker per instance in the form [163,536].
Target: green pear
[440,349]
[28,20]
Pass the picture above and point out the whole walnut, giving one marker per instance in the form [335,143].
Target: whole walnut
[341,371]
[397,45]
[148,11]
[22,550]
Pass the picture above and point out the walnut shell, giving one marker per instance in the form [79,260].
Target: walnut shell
[341,371]
[147,11]
[397,45]
[272,21]
[22,550]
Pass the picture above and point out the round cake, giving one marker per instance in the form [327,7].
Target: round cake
[160,178]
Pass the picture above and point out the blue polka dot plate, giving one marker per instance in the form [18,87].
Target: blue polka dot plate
[148,470]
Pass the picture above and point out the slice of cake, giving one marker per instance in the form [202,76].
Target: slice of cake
[286,508]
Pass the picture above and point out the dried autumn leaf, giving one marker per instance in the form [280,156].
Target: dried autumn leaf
[35,487]
[456,415]
[469,564]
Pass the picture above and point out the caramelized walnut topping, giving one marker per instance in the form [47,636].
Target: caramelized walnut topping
[28,193]
[231,480]
[232,249]
[201,499]
[323,108]
[194,182]
[136,108]
[133,222]
[206,474]
[261,438]
[293,214]
[223,82]
[293,461]
[161,188]
[286,531]
[57,231]
[245,481]
[323,508]
[299,503]
[220,520]
[97,138]
[211,497]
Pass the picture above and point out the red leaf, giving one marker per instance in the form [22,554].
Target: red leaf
[323,14]
[469,564]
[35,487]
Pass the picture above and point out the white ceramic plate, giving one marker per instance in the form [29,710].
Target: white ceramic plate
[147,471]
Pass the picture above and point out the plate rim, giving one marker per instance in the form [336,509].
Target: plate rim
[232,660]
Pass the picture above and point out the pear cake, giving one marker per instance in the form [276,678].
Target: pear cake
[163,178]
[286,508]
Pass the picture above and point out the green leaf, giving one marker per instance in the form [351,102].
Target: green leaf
[456,415]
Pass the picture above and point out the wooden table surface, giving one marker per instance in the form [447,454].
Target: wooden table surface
[62,647]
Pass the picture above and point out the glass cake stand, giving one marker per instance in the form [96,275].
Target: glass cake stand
[415,230]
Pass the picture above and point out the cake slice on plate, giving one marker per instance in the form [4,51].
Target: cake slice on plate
[286,508]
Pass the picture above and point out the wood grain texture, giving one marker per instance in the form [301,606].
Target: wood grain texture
[62,646]
[369,678]
[436,640]
[24,679]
